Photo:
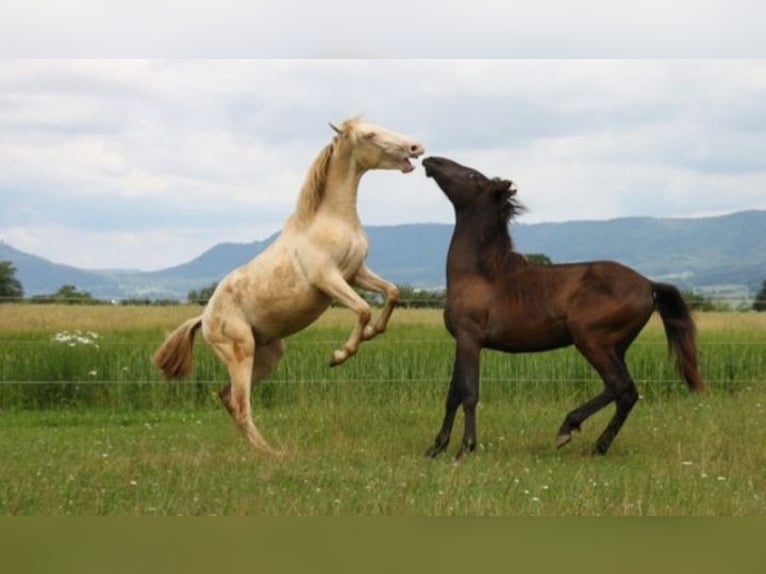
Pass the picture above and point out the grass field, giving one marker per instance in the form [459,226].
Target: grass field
[87,427]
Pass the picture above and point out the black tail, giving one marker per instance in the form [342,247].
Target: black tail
[680,331]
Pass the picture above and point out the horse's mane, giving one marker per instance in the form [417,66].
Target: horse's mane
[313,188]
[495,219]
[510,209]
[495,237]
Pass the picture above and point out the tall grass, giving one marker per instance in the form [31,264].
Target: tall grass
[90,428]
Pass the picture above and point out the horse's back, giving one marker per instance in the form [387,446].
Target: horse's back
[601,281]
[605,278]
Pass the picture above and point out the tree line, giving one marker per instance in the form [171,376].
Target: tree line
[11,290]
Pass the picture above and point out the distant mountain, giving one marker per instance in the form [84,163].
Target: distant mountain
[40,276]
[693,253]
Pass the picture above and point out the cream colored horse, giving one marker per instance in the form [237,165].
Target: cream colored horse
[316,259]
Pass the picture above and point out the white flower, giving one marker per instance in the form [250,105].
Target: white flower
[76,338]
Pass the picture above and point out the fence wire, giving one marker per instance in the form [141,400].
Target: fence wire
[357,380]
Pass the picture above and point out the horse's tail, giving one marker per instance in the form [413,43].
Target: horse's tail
[680,331]
[174,357]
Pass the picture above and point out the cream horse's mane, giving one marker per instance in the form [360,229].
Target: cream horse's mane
[312,192]
[313,188]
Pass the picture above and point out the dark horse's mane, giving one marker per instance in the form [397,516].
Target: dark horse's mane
[494,234]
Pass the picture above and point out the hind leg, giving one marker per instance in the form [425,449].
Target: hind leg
[619,387]
[236,348]
[575,418]
[265,360]
[625,397]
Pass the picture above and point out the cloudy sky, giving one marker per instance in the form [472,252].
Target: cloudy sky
[145,162]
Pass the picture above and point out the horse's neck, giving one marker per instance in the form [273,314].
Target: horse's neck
[483,252]
[341,190]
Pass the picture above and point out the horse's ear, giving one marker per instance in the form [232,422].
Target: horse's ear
[335,128]
[502,190]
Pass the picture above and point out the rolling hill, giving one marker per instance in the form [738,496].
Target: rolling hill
[693,253]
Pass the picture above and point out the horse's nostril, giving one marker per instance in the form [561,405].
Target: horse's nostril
[414,148]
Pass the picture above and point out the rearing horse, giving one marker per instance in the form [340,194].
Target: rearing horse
[317,258]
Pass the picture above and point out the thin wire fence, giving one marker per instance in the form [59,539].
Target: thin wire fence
[741,351]
[732,361]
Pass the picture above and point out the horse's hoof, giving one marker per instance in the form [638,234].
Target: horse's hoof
[563,439]
[264,449]
[337,358]
[435,450]
[599,449]
[369,332]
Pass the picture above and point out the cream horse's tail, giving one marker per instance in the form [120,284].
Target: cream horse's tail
[174,357]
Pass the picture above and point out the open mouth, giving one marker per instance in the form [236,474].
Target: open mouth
[415,151]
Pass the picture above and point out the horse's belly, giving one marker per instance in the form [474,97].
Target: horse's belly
[282,316]
[528,336]
[271,294]
[530,344]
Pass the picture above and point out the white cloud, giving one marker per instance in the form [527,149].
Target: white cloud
[395,28]
[101,160]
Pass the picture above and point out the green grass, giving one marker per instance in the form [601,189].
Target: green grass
[120,442]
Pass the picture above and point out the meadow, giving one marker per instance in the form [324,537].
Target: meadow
[87,427]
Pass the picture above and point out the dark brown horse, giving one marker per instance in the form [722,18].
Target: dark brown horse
[497,300]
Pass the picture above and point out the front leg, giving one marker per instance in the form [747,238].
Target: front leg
[454,399]
[464,389]
[467,365]
[333,284]
[369,280]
